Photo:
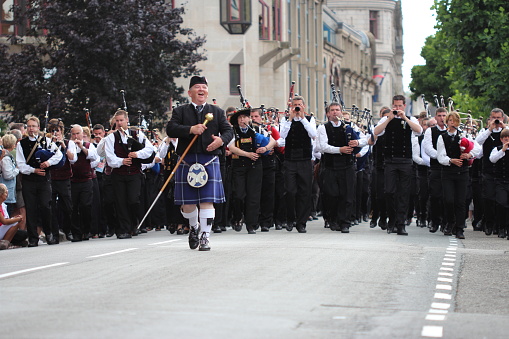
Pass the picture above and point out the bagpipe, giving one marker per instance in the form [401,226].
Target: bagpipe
[350,132]
[42,153]
[260,139]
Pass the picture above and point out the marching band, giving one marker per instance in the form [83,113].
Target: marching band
[256,168]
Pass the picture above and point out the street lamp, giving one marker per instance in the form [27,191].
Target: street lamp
[236,15]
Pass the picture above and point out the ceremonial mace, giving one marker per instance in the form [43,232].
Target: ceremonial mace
[208,117]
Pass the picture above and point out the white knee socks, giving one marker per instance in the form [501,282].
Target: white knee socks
[206,220]
[193,217]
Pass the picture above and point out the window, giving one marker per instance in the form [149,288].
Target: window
[7,18]
[234,78]
[263,21]
[373,23]
[276,20]
[236,15]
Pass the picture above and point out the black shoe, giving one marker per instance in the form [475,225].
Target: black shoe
[459,234]
[222,228]
[289,226]
[448,230]
[172,228]
[109,235]
[193,237]
[383,224]
[237,226]
[334,226]
[69,236]
[488,230]
[180,231]
[204,243]
[365,217]
[392,229]
[372,224]
[124,236]
[51,239]
[502,233]
[250,230]
[76,239]
[355,222]
[143,230]
[301,229]
[326,224]
[101,235]
[279,227]
[264,229]
[401,230]
[216,229]
[345,229]
[433,227]
[32,243]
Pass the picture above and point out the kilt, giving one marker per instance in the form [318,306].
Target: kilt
[212,191]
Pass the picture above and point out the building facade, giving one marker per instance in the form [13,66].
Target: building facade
[384,20]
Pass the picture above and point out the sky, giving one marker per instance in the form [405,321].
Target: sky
[418,24]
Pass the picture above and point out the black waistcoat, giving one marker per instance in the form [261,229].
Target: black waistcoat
[435,133]
[452,147]
[491,142]
[398,142]
[246,142]
[336,137]
[298,144]
[502,166]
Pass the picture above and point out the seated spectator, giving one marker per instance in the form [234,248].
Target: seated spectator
[8,226]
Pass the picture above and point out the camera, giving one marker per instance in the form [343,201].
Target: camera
[497,121]
[395,112]
[297,109]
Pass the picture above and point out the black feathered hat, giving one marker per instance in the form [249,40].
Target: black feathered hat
[234,120]
[197,80]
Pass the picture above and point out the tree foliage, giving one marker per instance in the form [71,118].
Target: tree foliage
[473,36]
[89,50]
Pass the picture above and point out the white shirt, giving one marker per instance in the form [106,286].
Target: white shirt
[412,119]
[116,162]
[310,127]
[26,169]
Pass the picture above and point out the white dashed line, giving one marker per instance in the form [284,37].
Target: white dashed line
[435,317]
[444,287]
[5,275]
[440,306]
[434,311]
[444,280]
[432,331]
[111,253]
[165,242]
[444,296]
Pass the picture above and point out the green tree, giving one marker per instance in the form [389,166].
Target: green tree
[91,50]
[476,36]
[431,79]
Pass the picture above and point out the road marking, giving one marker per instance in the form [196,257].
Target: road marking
[432,310]
[444,287]
[450,255]
[5,275]
[165,242]
[451,248]
[440,306]
[449,259]
[110,253]
[339,317]
[447,264]
[444,280]
[445,296]
[446,274]
[432,331]
[435,317]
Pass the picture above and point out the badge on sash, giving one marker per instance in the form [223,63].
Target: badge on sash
[197,176]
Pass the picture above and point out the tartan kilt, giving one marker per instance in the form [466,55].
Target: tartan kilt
[213,190]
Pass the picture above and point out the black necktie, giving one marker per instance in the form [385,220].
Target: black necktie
[199,108]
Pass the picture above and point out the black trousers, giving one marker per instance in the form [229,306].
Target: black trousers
[82,195]
[108,202]
[489,185]
[37,196]
[454,184]
[98,225]
[378,204]
[61,204]
[267,196]
[298,180]
[127,190]
[398,178]
[436,209]
[422,178]
[222,210]
[247,192]
[338,194]
[502,194]
[280,191]
[477,198]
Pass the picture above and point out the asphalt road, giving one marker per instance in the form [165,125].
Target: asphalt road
[322,284]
